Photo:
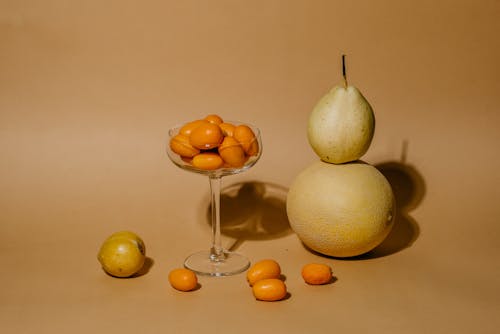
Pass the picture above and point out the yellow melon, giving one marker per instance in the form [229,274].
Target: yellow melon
[341,210]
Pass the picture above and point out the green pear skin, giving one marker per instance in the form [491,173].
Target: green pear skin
[341,125]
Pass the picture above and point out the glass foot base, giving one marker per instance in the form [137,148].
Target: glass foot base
[201,263]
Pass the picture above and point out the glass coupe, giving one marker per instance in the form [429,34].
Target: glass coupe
[216,261]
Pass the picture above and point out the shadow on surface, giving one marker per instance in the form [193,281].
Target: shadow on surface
[408,187]
[146,267]
[253,211]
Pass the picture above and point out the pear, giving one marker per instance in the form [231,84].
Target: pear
[341,125]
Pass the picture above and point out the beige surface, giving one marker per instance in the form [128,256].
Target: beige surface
[89,88]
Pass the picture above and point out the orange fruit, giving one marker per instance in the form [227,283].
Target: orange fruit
[227,129]
[245,135]
[207,161]
[315,273]
[269,289]
[231,152]
[183,279]
[214,119]
[263,269]
[206,136]
[187,128]
[180,145]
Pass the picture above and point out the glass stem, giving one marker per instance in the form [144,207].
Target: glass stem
[216,251]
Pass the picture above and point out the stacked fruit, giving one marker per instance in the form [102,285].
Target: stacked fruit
[211,143]
[340,206]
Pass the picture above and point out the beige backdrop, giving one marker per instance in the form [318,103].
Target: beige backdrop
[88,90]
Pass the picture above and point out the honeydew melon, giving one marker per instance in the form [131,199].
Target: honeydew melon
[341,210]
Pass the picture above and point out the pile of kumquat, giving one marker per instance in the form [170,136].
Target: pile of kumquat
[268,284]
[265,279]
[210,143]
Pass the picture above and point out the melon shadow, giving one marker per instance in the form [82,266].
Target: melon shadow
[409,189]
[252,210]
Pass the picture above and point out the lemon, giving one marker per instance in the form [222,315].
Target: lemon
[129,235]
[122,254]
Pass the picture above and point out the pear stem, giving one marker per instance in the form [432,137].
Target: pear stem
[343,71]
